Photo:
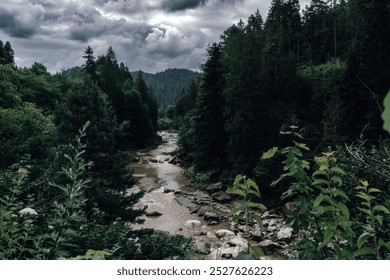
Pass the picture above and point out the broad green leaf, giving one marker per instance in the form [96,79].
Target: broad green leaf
[301,145]
[298,135]
[236,191]
[258,251]
[305,164]
[337,170]
[328,154]
[380,208]
[379,219]
[321,161]
[387,245]
[318,200]
[320,172]
[364,183]
[363,196]
[386,113]
[320,182]
[257,218]
[270,153]
[337,192]
[337,179]
[254,193]
[260,206]
[328,236]
[364,251]
[242,255]
[363,239]
[343,209]
[238,178]
[371,190]
[285,132]
[366,211]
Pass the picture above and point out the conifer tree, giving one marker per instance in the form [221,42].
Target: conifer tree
[210,139]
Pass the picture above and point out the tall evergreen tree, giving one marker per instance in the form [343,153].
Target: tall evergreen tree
[245,119]
[148,99]
[9,55]
[210,139]
[86,102]
[366,82]
[6,54]
[90,64]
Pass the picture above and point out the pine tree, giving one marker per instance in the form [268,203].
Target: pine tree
[148,99]
[9,55]
[210,138]
[6,54]
[90,64]
[86,102]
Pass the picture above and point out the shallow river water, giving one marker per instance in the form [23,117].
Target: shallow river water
[155,174]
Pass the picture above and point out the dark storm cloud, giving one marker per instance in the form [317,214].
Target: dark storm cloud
[14,24]
[178,5]
[150,35]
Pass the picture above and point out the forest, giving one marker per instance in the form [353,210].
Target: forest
[287,110]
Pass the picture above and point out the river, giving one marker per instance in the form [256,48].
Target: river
[157,176]
[170,196]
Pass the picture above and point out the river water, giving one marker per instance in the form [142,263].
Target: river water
[155,174]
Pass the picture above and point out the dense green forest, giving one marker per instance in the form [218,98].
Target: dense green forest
[293,101]
[66,140]
[168,85]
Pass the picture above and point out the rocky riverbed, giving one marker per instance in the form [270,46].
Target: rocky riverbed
[176,207]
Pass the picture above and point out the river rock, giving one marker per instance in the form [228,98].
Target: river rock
[203,248]
[227,256]
[221,207]
[212,188]
[285,233]
[153,214]
[222,197]
[202,210]
[210,216]
[257,235]
[174,160]
[166,190]
[270,245]
[185,202]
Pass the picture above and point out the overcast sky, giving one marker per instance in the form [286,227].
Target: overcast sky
[148,35]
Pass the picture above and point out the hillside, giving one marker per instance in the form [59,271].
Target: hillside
[168,85]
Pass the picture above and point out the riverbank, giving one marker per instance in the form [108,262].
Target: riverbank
[174,206]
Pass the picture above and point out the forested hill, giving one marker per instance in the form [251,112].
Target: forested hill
[168,85]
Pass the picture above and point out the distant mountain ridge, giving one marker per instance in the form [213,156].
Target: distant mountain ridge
[168,85]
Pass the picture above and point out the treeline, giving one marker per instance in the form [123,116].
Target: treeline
[65,143]
[324,70]
[168,85]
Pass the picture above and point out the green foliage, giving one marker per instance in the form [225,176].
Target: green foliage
[25,131]
[247,190]
[386,113]
[209,138]
[67,213]
[324,219]
[156,247]
[15,230]
[369,242]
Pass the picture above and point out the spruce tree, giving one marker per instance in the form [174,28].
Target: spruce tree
[210,138]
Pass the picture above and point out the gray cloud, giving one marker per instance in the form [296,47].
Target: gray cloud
[22,21]
[178,5]
[148,35]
